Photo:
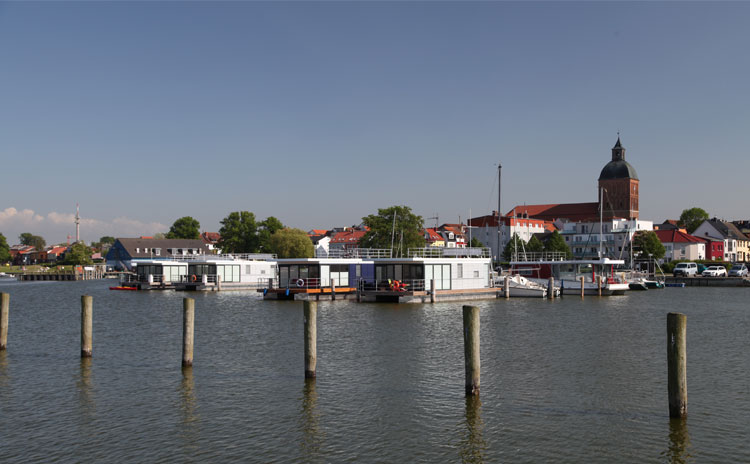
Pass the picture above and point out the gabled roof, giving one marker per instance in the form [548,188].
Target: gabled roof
[551,212]
[349,236]
[141,244]
[433,235]
[727,229]
[57,250]
[314,232]
[210,237]
[676,236]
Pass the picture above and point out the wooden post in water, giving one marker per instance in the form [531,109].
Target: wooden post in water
[270,283]
[471,349]
[310,311]
[87,326]
[582,278]
[4,310]
[188,331]
[333,289]
[551,288]
[506,287]
[677,364]
[218,282]
[432,290]
[599,284]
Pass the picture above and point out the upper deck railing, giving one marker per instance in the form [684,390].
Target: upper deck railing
[531,256]
[355,253]
[440,252]
[227,256]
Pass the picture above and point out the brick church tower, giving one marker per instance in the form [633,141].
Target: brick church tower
[620,183]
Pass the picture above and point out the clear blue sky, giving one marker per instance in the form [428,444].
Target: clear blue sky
[320,113]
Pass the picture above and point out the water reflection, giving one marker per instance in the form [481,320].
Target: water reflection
[86,400]
[473,445]
[678,451]
[312,436]
[4,373]
[188,410]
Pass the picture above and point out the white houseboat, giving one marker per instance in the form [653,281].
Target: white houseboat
[227,272]
[155,274]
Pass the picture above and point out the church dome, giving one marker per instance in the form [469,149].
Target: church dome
[618,169]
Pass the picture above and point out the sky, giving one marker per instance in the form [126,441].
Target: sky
[319,113]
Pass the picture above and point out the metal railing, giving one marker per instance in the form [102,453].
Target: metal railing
[440,252]
[227,256]
[405,285]
[369,253]
[538,256]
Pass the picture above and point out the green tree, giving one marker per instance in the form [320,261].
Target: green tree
[4,249]
[691,218]
[382,233]
[30,239]
[292,243]
[555,243]
[265,230]
[515,244]
[107,240]
[475,243]
[239,233]
[78,254]
[648,245]
[185,227]
[534,245]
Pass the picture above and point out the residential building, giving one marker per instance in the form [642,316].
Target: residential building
[433,238]
[211,239]
[453,235]
[126,252]
[735,242]
[345,240]
[485,229]
[615,236]
[680,245]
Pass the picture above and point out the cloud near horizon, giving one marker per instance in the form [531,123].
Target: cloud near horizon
[55,227]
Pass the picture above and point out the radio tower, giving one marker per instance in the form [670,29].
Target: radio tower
[78,225]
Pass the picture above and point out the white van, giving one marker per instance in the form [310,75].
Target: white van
[685,269]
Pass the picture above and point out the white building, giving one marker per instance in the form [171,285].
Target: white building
[613,237]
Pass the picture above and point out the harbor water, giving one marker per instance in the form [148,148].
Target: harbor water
[568,380]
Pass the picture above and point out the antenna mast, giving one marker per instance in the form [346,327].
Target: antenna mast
[78,225]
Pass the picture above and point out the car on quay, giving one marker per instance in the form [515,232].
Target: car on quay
[715,271]
[738,270]
[685,269]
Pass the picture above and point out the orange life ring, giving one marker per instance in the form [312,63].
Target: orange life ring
[193,278]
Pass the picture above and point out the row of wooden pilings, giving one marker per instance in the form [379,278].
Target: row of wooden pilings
[551,287]
[676,345]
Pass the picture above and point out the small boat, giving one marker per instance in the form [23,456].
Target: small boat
[638,285]
[123,288]
[519,286]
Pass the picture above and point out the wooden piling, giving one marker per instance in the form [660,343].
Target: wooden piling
[432,290]
[218,282]
[582,279]
[677,364]
[599,284]
[87,326]
[333,289]
[4,312]
[471,349]
[506,287]
[188,331]
[310,312]
[551,288]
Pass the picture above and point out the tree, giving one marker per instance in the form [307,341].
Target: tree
[555,243]
[691,218]
[4,250]
[78,254]
[515,245]
[185,227]
[292,243]
[475,243]
[382,233]
[30,239]
[107,240]
[239,233]
[265,230]
[648,245]
[534,245]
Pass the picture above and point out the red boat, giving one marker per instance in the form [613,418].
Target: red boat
[123,288]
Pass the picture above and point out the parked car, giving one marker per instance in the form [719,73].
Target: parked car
[715,271]
[685,269]
[738,270]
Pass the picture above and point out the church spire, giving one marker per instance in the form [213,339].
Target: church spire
[618,151]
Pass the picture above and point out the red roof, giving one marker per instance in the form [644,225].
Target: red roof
[317,232]
[210,237]
[349,236]
[572,211]
[676,236]
[432,235]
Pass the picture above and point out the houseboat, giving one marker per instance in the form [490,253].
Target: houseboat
[539,267]
[156,274]
[426,275]
[227,272]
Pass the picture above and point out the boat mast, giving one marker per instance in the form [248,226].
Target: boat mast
[499,214]
[601,221]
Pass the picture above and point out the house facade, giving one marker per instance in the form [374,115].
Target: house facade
[616,236]
[485,229]
[735,242]
[680,245]
[126,252]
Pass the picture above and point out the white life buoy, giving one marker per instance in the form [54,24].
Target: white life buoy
[300,283]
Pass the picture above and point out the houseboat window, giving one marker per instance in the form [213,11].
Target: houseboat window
[248,269]
[460,271]
[340,273]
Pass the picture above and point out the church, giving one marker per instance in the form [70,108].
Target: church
[619,184]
